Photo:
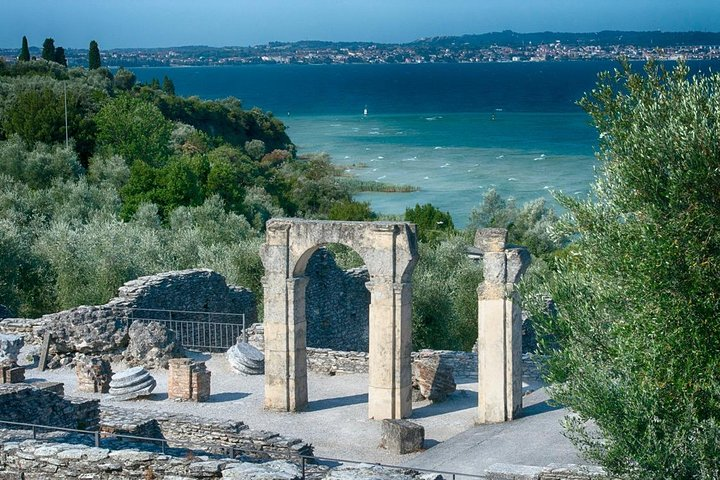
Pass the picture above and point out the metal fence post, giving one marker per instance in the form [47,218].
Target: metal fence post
[34,430]
[97,439]
[244,331]
[303,467]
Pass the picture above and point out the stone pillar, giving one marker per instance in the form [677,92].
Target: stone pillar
[188,380]
[390,371]
[285,344]
[93,374]
[499,328]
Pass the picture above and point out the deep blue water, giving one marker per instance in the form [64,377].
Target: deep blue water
[454,130]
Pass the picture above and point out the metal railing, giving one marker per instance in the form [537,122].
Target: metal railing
[194,329]
[234,451]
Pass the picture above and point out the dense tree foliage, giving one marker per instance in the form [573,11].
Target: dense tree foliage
[630,336]
[24,51]
[134,129]
[59,56]
[48,50]
[94,56]
[529,225]
[168,86]
[153,181]
[432,223]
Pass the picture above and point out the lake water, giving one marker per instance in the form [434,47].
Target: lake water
[453,130]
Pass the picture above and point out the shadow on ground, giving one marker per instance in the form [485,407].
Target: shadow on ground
[538,408]
[459,400]
[227,397]
[328,403]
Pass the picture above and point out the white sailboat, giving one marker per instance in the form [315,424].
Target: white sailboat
[365,111]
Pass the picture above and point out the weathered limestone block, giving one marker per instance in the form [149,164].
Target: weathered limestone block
[58,388]
[499,328]
[151,345]
[364,471]
[402,436]
[244,358]
[188,380]
[273,470]
[10,372]
[433,378]
[93,374]
[491,239]
[10,346]
[132,383]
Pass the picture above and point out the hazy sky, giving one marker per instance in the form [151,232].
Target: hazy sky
[155,23]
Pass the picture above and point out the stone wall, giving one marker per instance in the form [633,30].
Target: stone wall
[36,460]
[24,403]
[61,459]
[325,360]
[214,436]
[554,471]
[336,305]
[103,329]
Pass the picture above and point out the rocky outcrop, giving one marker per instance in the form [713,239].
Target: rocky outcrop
[244,358]
[132,383]
[151,345]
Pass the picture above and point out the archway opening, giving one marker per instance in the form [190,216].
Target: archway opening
[337,301]
[390,250]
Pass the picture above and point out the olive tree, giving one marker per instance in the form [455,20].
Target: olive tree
[628,318]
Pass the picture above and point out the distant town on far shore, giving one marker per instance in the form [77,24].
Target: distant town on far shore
[506,46]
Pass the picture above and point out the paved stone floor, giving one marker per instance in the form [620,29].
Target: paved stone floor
[534,439]
[336,422]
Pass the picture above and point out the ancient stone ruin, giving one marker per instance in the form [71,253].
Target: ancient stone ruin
[246,359]
[93,373]
[499,327]
[105,329]
[10,371]
[336,305]
[390,253]
[131,383]
[188,380]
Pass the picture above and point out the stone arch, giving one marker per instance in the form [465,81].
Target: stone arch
[389,250]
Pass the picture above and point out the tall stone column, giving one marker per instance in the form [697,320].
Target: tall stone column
[285,344]
[390,375]
[285,325]
[499,327]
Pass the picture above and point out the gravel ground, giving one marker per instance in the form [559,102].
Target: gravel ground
[335,421]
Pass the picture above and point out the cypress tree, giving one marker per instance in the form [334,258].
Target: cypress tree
[24,51]
[94,56]
[60,56]
[168,86]
[48,50]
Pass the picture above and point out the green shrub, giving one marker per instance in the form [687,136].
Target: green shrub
[631,343]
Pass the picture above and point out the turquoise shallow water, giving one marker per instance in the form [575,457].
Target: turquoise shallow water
[455,158]
[454,130]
